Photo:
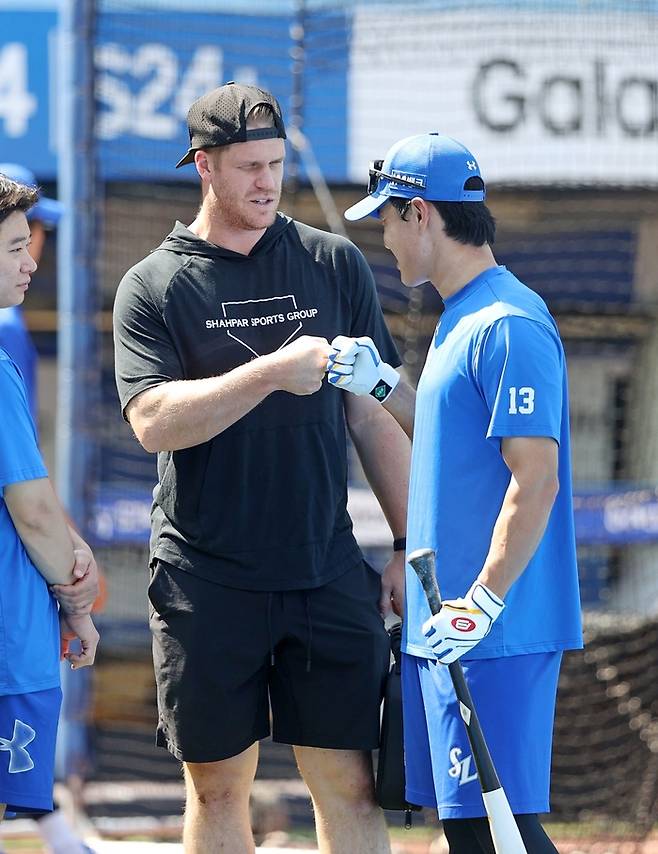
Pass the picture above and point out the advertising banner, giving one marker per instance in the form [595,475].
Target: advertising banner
[540,97]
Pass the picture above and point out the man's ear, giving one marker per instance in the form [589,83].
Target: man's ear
[201,163]
[420,210]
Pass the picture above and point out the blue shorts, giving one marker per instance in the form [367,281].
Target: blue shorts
[515,702]
[28,732]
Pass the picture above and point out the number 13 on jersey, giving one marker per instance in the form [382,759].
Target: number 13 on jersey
[521,400]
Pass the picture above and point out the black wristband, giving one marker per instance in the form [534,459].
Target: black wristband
[400,544]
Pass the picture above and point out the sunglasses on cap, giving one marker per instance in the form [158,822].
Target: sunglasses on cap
[375,174]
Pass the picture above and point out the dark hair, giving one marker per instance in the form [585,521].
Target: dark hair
[15,197]
[471,223]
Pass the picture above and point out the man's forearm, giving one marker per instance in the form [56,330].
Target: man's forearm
[51,554]
[41,526]
[518,530]
[385,454]
[184,413]
[401,404]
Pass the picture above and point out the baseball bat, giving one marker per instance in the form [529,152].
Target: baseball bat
[504,830]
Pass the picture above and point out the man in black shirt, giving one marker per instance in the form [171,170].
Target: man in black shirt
[259,594]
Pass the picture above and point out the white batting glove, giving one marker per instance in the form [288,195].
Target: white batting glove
[462,623]
[357,367]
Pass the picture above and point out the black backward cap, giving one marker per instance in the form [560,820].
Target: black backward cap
[220,118]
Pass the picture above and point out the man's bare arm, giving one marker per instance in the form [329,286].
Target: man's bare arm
[184,413]
[533,463]
[385,454]
[41,525]
[401,403]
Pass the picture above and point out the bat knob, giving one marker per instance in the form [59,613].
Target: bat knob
[420,555]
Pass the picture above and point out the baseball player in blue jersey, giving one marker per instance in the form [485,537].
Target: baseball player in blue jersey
[490,492]
[40,558]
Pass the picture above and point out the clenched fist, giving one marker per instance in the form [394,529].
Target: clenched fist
[355,365]
[300,366]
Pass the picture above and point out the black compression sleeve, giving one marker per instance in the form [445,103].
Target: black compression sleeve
[533,834]
[472,835]
[462,838]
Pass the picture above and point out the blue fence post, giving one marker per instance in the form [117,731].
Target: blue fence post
[76,264]
[77,341]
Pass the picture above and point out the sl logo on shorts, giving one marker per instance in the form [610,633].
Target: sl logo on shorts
[19,758]
[463,624]
[461,768]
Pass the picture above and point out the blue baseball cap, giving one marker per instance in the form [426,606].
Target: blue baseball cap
[430,165]
[47,211]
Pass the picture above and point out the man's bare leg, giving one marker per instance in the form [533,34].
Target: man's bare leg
[347,818]
[217,805]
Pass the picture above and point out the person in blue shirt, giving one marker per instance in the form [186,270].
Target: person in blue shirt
[54,828]
[14,336]
[40,560]
[490,492]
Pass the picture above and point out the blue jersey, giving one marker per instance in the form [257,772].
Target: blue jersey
[495,368]
[16,340]
[29,625]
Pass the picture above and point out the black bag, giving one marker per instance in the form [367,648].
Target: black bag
[389,785]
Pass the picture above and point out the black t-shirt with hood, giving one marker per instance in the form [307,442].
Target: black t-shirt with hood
[262,505]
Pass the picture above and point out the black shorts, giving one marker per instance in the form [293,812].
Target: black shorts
[223,656]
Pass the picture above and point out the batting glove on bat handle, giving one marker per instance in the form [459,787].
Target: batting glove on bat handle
[357,367]
[462,623]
